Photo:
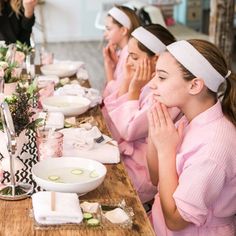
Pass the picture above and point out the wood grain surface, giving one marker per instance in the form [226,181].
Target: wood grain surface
[16,219]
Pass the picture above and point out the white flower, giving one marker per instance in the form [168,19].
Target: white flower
[3,65]
[3,43]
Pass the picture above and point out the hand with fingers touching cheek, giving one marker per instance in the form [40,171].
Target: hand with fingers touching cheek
[164,135]
[110,61]
[142,75]
[113,53]
[128,75]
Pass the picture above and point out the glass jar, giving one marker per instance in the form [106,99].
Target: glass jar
[49,144]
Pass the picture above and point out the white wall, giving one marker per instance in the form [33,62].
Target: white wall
[68,20]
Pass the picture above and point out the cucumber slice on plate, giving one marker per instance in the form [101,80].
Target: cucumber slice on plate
[77,172]
[93,174]
[93,222]
[53,177]
[87,216]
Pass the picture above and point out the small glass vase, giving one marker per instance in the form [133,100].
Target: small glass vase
[9,88]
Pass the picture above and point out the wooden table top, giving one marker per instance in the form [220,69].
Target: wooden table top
[16,220]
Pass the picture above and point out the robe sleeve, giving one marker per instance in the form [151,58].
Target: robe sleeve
[200,184]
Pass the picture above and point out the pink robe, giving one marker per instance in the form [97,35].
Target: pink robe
[114,84]
[129,125]
[206,166]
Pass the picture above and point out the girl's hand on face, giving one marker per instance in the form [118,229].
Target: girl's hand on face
[142,75]
[29,6]
[113,54]
[165,136]
[108,62]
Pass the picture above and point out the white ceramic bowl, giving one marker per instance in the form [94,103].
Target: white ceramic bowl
[60,69]
[45,168]
[68,105]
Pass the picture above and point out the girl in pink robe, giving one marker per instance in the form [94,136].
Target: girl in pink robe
[120,22]
[194,162]
[128,106]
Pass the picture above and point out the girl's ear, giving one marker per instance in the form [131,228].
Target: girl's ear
[154,61]
[196,86]
[124,31]
[155,58]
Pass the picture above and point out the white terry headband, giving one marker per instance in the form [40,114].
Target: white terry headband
[196,63]
[120,16]
[149,40]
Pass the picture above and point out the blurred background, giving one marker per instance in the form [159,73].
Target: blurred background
[72,29]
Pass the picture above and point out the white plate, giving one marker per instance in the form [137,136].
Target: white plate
[68,105]
[61,167]
[60,69]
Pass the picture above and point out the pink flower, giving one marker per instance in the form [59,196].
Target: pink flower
[3,65]
[16,72]
[19,57]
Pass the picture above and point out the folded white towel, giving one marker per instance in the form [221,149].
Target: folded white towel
[117,216]
[55,120]
[67,208]
[53,78]
[70,89]
[91,207]
[105,152]
[82,74]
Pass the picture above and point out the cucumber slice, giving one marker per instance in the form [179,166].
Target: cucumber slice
[77,172]
[93,174]
[87,216]
[53,177]
[93,222]
[67,125]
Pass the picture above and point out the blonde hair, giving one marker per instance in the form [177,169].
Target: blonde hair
[16,6]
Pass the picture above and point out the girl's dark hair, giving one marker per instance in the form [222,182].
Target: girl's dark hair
[217,60]
[135,22]
[161,33]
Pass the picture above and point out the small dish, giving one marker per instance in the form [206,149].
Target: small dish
[60,69]
[68,105]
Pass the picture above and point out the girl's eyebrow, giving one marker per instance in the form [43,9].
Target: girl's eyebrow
[163,71]
[132,53]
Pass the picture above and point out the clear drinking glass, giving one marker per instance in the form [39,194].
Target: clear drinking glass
[49,144]
[29,64]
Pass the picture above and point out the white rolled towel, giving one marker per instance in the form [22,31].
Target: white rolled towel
[67,208]
[55,120]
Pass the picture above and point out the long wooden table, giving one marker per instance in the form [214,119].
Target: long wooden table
[15,217]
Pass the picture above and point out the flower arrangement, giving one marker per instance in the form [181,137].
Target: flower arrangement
[11,60]
[20,105]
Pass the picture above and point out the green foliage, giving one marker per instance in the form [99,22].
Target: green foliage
[20,105]
[3,53]
[8,77]
[23,47]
